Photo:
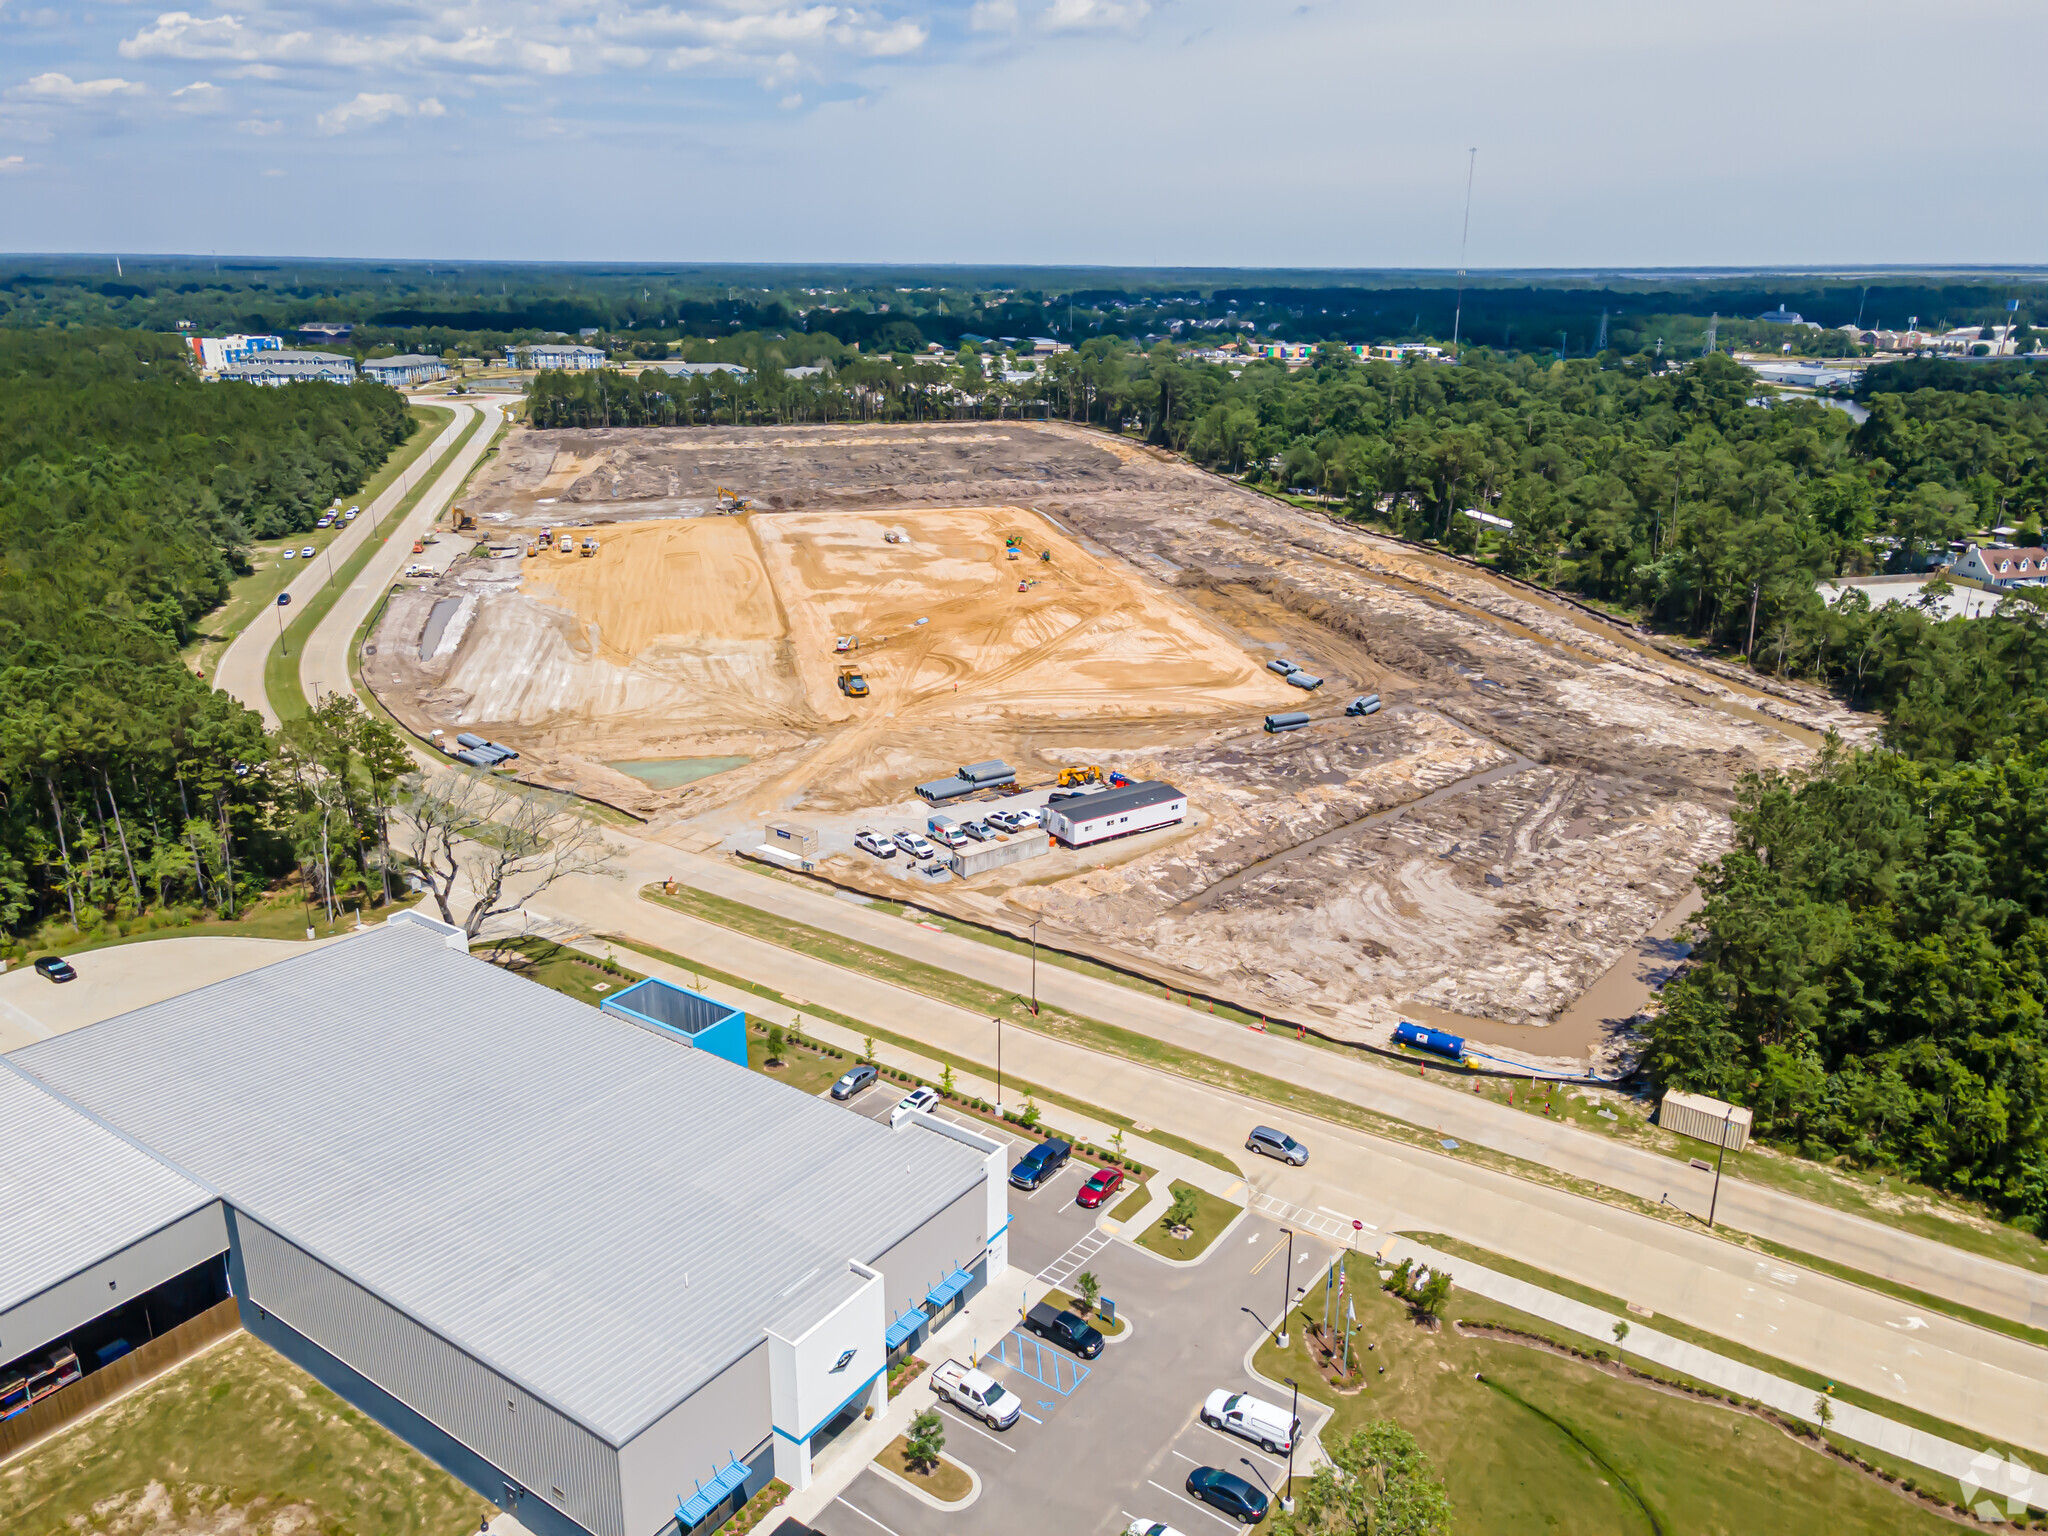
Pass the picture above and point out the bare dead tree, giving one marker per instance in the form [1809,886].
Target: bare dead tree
[478,840]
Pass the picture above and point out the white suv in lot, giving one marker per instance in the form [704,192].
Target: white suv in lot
[914,845]
[919,1101]
[1260,1422]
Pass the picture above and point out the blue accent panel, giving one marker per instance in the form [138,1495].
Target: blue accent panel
[859,1391]
[999,1231]
[947,1289]
[698,1506]
[683,1015]
[904,1327]
[424,1436]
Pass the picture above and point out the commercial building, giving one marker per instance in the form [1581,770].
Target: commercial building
[611,1282]
[554,354]
[102,1247]
[2003,567]
[289,366]
[213,353]
[405,370]
[1141,807]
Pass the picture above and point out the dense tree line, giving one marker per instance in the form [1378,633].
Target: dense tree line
[127,488]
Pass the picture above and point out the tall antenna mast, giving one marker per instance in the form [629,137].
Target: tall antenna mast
[1458,319]
[1713,328]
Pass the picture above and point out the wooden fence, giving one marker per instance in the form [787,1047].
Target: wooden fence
[82,1396]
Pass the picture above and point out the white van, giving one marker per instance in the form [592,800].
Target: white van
[1261,1423]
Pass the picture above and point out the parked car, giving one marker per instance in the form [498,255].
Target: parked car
[862,1075]
[1028,816]
[1002,820]
[324,520]
[1041,1163]
[350,515]
[944,830]
[307,552]
[1228,1492]
[1270,1428]
[56,968]
[1104,1183]
[980,831]
[919,1101]
[870,842]
[1069,1330]
[289,554]
[1264,1139]
[1149,1528]
[979,1393]
[914,845]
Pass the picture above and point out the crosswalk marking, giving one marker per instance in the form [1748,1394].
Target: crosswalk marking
[1070,1262]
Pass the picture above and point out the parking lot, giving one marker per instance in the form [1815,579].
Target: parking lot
[1106,1441]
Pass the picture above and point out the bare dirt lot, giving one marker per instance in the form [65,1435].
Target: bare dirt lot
[1534,798]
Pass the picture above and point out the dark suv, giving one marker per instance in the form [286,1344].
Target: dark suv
[1041,1163]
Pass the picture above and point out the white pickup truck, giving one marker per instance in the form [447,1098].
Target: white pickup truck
[980,1394]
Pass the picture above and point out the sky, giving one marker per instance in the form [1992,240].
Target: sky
[1610,133]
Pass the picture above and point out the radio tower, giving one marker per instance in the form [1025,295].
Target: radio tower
[1600,345]
[1713,328]
[1458,319]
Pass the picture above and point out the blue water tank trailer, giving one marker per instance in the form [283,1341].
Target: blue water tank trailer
[1434,1040]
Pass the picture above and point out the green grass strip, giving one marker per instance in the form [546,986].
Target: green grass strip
[281,682]
[961,1063]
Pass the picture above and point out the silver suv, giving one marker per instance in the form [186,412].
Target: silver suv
[1278,1144]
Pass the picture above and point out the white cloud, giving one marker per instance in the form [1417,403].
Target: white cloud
[993,16]
[1093,15]
[273,171]
[259,127]
[893,42]
[203,90]
[12,163]
[56,87]
[792,101]
[370,108]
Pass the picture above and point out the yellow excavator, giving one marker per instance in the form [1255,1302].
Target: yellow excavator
[733,501]
[1073,778]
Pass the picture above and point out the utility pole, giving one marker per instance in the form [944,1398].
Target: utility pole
[1034,968]
[1715,1204]
[1294,1417]
[1286,1290]
[997,1020]
[1458,319]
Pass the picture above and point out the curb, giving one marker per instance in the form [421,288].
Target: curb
[973,1478]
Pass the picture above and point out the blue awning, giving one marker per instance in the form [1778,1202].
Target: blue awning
[904,1327]
[709,1496]
[947,1289]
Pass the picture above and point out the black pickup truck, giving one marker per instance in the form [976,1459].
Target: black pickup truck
[1069,1330]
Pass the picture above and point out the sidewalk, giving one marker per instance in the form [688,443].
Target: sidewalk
[1974,1469]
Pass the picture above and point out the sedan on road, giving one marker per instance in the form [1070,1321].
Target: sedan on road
[862,1076]
[1264,1139]
[1228,1492]
[919,1101]
[56,968]
[1106,1182]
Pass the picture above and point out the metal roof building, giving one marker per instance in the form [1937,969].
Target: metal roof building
[580,1264]
[87,1219]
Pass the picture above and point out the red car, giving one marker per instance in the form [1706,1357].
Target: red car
[1106,1182]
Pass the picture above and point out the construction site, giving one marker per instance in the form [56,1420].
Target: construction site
[716,629]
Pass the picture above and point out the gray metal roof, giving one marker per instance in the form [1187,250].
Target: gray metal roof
[72,1192]
[1133,797]
[602,1214]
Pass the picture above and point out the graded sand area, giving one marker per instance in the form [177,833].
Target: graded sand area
[1530,805]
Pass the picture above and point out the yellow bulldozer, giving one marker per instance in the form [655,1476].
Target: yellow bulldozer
[1073,778]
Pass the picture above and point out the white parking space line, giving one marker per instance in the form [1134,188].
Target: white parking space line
[991,1439]
[1184,1456]
[1084,1249]
[1191,1504]
[866,1516]
[1240,1445]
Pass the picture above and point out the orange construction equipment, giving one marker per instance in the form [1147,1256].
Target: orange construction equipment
[1070,778]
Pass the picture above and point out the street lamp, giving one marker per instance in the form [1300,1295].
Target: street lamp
[1286,1289]
[1715,1203]
[1034,968]
[997,1020]
[1293,1434]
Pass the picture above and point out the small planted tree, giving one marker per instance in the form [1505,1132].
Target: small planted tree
[778,1042]
[1180,1216]
[1621,1334]
[1090,1287]
[946,1080]
[926,1439]
[867,1047]
[1824,1410]
[1029,1118]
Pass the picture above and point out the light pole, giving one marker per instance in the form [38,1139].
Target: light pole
[1286,1289]
[997,1020]
[1715,1203]
[284,600]
[1034,968]
[1293,1434]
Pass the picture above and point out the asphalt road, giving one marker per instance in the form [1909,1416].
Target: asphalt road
[240,673]
[323,666]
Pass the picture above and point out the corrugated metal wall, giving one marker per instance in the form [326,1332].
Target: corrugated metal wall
[500,1421]
[924,1258]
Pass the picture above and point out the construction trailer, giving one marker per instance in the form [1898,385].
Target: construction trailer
[1089,819]
[1705,1119]
[979,858]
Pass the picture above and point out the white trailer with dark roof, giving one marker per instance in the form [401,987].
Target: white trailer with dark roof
[1141,807]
